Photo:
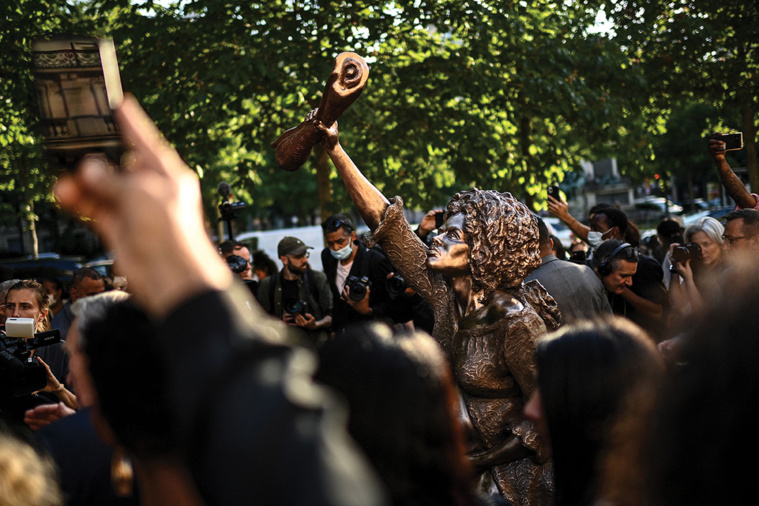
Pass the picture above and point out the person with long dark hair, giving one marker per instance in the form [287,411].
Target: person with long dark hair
[404,412]
[588,376]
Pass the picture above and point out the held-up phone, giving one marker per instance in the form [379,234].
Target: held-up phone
[553,191]
[439,218]
[733,142]
[77,85]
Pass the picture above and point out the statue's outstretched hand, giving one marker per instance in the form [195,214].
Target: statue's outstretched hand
[311,115]
[331,135]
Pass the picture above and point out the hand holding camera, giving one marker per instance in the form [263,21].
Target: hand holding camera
[684,258]
[296,312]
[356,294]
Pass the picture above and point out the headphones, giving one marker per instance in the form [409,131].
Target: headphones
[604,268]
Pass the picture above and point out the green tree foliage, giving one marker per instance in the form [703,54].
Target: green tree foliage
[486,93]
[697,51]
[23,179]
[504,95]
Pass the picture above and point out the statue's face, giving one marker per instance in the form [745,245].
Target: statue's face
[449,253]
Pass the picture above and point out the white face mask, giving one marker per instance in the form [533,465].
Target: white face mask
[51,299]
[343,253]
[595,239]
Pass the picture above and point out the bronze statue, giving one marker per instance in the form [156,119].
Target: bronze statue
[486,318]
[345,84]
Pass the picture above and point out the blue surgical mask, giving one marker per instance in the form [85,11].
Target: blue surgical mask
[343,253]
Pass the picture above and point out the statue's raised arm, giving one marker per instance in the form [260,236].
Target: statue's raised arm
[345,84]
[486,318]
[369,201]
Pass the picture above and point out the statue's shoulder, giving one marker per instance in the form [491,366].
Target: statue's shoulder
[501,308]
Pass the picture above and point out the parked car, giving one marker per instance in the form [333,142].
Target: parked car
[657,205]
[559,229]
[47,264]
[698,205]
[103,266]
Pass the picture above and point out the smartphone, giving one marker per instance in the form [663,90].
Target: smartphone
[77,86]
[733,142]
[439,218]
[553,191]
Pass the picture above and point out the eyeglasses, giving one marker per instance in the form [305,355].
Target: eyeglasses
[307,254]
[729,239]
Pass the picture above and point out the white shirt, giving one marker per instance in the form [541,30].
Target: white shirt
[342,275]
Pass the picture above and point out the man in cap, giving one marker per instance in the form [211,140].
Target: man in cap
[297,294]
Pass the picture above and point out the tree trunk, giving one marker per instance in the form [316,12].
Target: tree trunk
[691,192]
[323,169]
[20,225]
[749,141]
[31,219]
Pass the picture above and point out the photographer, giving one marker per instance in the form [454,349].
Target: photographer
[357,275]
[696,267]
[239,249]
[297,294]
[27,299]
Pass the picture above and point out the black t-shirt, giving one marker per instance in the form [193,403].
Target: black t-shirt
[646,283]
[289,293]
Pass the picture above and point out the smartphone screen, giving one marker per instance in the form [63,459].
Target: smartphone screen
[77,85]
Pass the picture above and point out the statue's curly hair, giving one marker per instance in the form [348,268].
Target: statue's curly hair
[502,235]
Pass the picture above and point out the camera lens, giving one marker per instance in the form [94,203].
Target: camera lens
[292,306]
[396,285]
[357,288]
[237,263]
[680,254]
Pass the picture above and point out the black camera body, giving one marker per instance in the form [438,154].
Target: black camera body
[296,306]
[18,375]
[357,287]
[396,285]
[237,263]
[689,251]
[229,209]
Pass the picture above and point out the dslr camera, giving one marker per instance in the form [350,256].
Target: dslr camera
[237,263]
[396,285]
[357,287]
[18,374]
[689,251]
[295,306]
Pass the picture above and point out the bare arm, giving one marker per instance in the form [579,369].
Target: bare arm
[645,306]
[559,208]
[56,388]
[687,292]
[732,183]
[369,201]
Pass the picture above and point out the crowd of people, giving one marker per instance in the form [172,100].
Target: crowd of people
[468,362]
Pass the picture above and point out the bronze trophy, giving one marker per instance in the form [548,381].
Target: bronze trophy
[345,84]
